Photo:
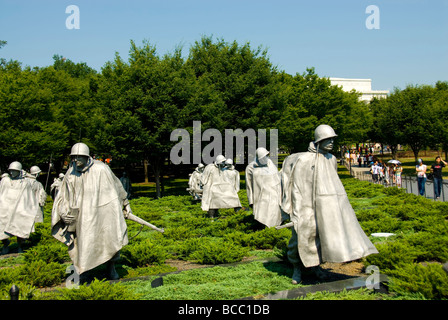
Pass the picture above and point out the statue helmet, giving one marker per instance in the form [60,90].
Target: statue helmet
[80,149]
[35,170]
[220,159]
[16,165]
[323,132]
[261,152]
[229,161]
[201,165]
[61,175]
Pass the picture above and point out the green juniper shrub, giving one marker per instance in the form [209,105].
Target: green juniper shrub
[42,274]
[41,234]
[143,253]
[96,290]
[36,273]
[268,238]
[146,271]
[392,254]
[179,233]
[429,280]
[209,250]
[394,191]
[49,252]
[359,294]
[431,247]
[9,275]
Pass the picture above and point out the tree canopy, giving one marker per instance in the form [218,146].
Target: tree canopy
[130,107]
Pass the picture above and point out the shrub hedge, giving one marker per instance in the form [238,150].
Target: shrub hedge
[420,226]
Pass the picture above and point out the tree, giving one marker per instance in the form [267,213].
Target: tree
[234,89]
[43,112]
[311,100]
[29,131]
[413,116]
[440,107]
[144,100]
[386,124]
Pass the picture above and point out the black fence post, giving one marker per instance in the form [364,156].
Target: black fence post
[14,292]
[443,193]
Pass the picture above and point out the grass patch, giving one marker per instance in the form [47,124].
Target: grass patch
[218,283]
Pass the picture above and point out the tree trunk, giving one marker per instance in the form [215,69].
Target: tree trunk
[145,167]
[157,166]
[416,151]
[393,149]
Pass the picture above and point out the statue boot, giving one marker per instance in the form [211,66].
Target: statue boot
[297,274]
[5,249]
[212,213]
[112,273]
[19,243]
[319,273]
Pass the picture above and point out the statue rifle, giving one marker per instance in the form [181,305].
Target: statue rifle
[139,220]
[287,225]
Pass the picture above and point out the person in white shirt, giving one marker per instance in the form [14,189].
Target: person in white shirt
[375,170]
[421,176]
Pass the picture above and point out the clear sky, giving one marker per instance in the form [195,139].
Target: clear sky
[410,46]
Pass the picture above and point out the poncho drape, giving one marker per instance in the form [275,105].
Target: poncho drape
[264,192]
[218,192]
[18,208]
[101,230]
[325,222]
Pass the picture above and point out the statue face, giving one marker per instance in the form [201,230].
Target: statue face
[14,173]
[80,161]
[327,144]
[263,161]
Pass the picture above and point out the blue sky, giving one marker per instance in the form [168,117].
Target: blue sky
[410,47]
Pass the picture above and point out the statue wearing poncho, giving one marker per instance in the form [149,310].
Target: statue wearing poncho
[18,206]
[263,189]
[325,225]
[218,192]
[88,215]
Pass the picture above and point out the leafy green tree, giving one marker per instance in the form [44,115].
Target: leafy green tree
[412,108]
[234,88]
[311,100]
[144,100]
[29,130]
[43,112]
[77,70]
[233,82]
[386,124]
[440,106]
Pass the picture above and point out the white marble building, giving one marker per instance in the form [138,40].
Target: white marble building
[364,86]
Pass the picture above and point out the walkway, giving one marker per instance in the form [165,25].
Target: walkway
[408,182]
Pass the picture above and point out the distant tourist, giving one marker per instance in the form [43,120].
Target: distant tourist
[375,171]
[421,176]
[398,170]
[436,170]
